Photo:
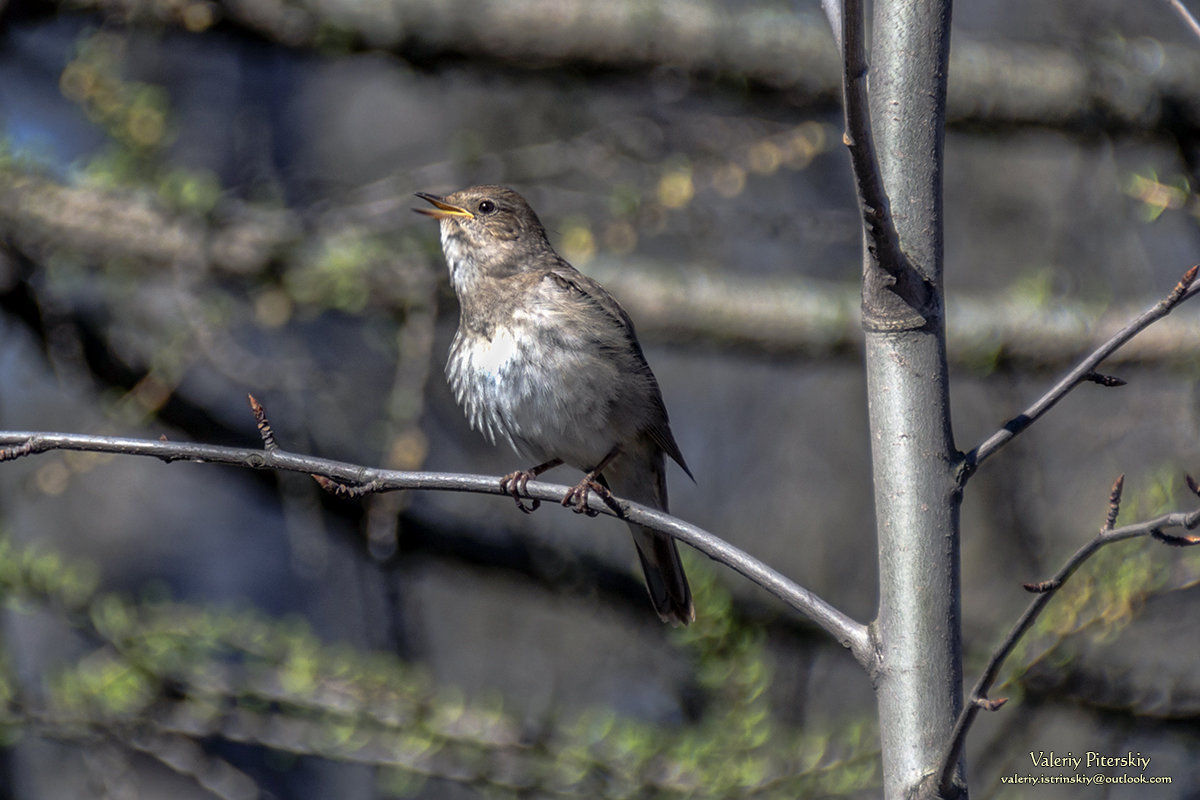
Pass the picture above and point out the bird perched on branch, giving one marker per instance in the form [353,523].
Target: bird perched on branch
[546,360]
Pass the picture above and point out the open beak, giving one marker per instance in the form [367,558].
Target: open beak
[441,209]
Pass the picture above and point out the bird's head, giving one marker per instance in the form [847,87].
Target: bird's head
[487,228]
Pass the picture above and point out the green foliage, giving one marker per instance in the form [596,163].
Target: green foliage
[136,117]
[157,659]
[42,574]
[337,274]
[189,191]
[1035,287]
[740,749]
[1155,195]
[133,114]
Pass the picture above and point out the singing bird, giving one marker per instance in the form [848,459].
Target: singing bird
[546,360]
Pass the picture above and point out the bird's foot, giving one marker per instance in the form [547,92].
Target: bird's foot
[514,484]
[576,497]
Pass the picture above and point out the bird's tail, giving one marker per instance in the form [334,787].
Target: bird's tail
[639,474]
[668,586]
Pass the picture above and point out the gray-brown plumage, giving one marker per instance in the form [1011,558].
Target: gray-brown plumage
[546,360]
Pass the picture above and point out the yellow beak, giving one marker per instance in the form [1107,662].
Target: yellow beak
[441,208]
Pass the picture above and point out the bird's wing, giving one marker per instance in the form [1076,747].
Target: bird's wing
[571,280]
[575,282]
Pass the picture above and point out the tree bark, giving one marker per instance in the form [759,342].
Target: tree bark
[918,630]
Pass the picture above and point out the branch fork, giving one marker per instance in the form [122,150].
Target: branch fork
[1045,590]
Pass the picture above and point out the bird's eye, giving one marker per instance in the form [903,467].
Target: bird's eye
[486,207]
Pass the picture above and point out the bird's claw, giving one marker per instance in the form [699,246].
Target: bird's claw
[514,484]
[576,497]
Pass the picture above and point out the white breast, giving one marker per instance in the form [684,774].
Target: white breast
[497,356]
[511,393]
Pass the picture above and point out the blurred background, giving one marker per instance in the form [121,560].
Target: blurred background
[204,199]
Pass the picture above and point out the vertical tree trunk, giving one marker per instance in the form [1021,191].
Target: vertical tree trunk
[914,458]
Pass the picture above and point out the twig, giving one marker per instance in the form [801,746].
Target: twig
[1110,381]
[1187,16]
[328,484]
[360,479]
[1083,371]
[264,424]
[1045,590]
[1114,503]
[13,453]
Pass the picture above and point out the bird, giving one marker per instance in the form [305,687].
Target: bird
[547,360]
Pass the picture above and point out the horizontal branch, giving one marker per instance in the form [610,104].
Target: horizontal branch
[1103,82]
[978,700]
[808,318]
[849,633]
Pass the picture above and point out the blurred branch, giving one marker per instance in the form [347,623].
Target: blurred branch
[360,480]
[782,316]
[1008,83]
[772,47]
[179,676]
[40,215]
[1164,694]
[815,318]
[1082,372]
[212,774]
[978,700]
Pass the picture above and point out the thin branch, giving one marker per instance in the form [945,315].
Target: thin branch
[883,239]
[361,480]
[1186,15]
[1083,371]
[1155,528]
[860,142]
